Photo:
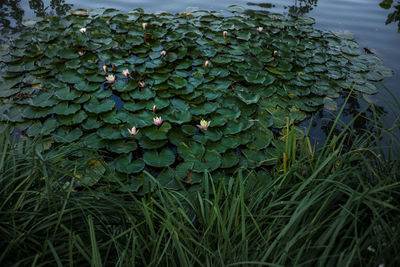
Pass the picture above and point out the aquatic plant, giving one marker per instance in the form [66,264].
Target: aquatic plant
[242,75]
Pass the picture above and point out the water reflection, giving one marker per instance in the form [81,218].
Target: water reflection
[298,8]
[12,13]
[301,7]
[395,15]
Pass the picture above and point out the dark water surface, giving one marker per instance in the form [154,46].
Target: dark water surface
[364,18]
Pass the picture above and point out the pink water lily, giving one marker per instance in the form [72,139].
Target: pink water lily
[81,52]
[225,34]
[157,121]
[133,131]
[204,124]
[260,29]
[83,30]
[206,63]
[110,78]
[142,84]
[126,73]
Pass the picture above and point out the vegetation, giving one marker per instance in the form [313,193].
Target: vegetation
[336,205]
[170,140]
[203,91]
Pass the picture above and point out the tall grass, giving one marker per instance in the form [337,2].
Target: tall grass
[338,205]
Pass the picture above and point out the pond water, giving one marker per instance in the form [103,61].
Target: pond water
[364,18]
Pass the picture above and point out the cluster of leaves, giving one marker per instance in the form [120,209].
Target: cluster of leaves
[53,84]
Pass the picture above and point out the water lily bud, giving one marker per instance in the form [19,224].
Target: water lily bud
[110,78]
[126,73]
[154,108]
[225,34]
[133,131]
[275,53]
[81,53]
[163,53]
[206,63]
[83,30]
[273,17]
[105,68]
[157,121]
[260,29]
[113,68]
[38,47]
[142,84]
[144,25]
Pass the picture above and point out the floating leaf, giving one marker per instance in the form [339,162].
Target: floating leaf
[67,135]
[162,159]
[96,106]
[125,164]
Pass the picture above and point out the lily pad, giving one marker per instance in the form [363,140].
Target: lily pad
[164,158]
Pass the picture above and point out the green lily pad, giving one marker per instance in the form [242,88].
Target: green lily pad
[109,133]
[164,158]
[96,106]
[125,164]
[157,133]
[229,159]
[67,135]
[66,108]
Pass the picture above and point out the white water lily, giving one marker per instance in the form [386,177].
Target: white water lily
[83,30]
[157,121]
[225,34]
[275,53]
[81,53]
[204,124]
[206,63]
[126,73]
[260,29]
[133,131]
[110,78]
[144,26]
[163,53]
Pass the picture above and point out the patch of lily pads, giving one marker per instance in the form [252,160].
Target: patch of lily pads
[175,95]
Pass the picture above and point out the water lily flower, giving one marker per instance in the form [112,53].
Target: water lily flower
[126,73]
[204,124]
[154,108]
[225,34]
[83,30]
[144,25]
[81,52]
[163,53]
[105,68]
[260,29]
[206,63]
[157,121]
[133,131]
[275,53]
[142,84]
[110,78]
